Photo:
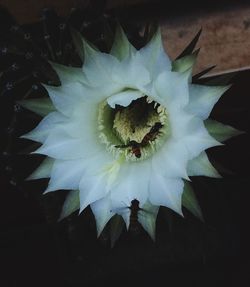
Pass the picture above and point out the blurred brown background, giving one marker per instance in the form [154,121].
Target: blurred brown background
[225,41]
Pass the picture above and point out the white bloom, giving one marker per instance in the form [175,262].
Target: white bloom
[127,125]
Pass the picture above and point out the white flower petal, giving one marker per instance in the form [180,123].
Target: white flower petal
[165,191]
[41,106]
[191,132]
[67,74]
[124,98]
[98,66]
[203,98]
[131,184]
[102,212]
[44,169]
[172,160]
[48,124]
[131,73]
[92,188]
[59,145]
[201,165]
[172,87]
[66,98]
[198,138]
[66,174]
[154,57]
[121,48]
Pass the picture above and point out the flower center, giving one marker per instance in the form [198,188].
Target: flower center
[135,131]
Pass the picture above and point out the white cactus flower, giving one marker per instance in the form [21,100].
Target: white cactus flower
[127,125]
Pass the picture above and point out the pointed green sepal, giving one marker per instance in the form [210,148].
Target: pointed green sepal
[71,204]
[190,47]
[220,131]
[189,201]
[116,227]
[78,42]
[81,44]
[185,63]
[201,166]
[43,170]
[121,47]
[42,106]
[196,77]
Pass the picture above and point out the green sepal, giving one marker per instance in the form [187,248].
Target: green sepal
[190,47]
[40,106]
[220,131]
[121,47]
[78,42]
[219,80]
[71,204]
[185,63]
[190,202]
[196,77]
[116,227]
[150,30]
[81,44]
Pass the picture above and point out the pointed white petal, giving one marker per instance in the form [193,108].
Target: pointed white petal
[71,204]
[42,106]
[147,217]
[154,56]
[44,169]
[220,131]
[191,132]
[66,174]
[48,124]
[165,191]
[102,212]
[98,66]
[66,98]
[121,47]
[131,73]
[198,138]
[132,183]
[68,74]
[124,98]
[203,98]
[59,145]
[172,159]
[92,188]
[172,87]
[201,165]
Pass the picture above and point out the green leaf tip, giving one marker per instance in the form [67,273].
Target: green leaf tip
[190,202]
[121,47]
[220,131]
[116,227]
[71,204]
[40,106]
[185,63]
[190,47]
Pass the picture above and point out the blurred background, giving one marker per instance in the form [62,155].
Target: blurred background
[225,40]
[36,250]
